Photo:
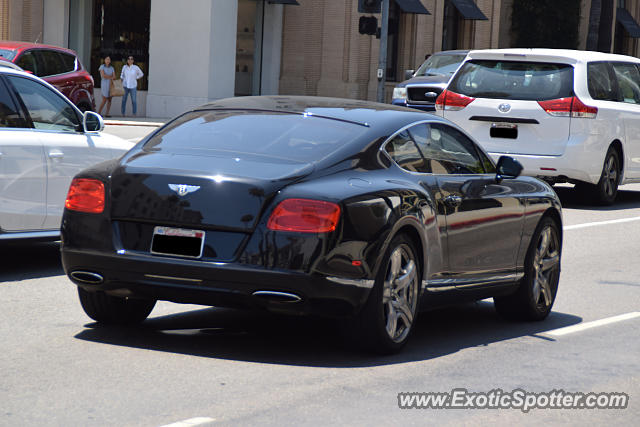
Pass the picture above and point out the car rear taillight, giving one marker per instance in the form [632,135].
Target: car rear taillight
[452,101]
[570,106]
[89,77]
[85,195]
[304,216]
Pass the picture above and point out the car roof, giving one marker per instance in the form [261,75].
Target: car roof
[19,45]
[452,52]
[365,113]
[544,54]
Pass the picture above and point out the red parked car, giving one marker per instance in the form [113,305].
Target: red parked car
[58,66]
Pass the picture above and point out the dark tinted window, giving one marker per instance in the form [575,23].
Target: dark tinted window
[599,80]
[403,149]
[27,62]
[528,81]
[440,65]
[628,82]
[47,109]
[49,63]
[68,62]
[451,152]
[437,148]
[9,114]
[8,54]
[292,137]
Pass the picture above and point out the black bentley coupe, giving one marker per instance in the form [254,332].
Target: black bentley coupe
[305,205]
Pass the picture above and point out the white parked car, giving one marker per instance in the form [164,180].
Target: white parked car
[566,115]
[44,141]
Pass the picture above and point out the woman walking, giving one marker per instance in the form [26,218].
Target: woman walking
[107,73]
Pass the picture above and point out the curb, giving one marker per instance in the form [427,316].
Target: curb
[132,123]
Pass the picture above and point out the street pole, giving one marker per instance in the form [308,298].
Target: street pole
[382,57]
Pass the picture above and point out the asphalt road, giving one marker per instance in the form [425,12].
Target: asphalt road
[230,367]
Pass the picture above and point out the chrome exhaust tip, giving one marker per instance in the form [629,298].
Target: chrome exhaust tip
[275,296]
[86,277]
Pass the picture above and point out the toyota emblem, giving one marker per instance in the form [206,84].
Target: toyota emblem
[504,108]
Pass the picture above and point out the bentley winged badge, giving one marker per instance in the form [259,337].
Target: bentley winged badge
[183,189]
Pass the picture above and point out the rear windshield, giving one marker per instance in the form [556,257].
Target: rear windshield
[527,81]
[7,53]
[438,65]
[292,137]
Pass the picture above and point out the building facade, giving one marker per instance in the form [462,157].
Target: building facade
[201,50]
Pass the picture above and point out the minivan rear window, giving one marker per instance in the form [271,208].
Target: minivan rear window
[518,80]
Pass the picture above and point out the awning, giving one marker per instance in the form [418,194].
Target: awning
[284,2]
[469,10]
[624,17]
[412,6]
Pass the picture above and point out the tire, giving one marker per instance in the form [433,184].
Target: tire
[605,191]
[112,310]
[385,322]
[538,288]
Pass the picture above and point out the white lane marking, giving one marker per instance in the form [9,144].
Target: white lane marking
[594,224]
[588,325]
[191,422]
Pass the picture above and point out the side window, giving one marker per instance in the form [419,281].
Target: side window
[599,81]
[47,109]
[28,62]
[450,152]
[628,80]
[68,62]
[10,116]
[49,63]
[403,149]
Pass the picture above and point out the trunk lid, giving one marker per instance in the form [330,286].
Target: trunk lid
[505,115]
[199,189]
[524,129]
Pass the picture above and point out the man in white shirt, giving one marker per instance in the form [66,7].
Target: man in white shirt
[130,75]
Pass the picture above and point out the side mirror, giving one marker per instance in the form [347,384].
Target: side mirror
[92,122]
[408,74]
[507,168]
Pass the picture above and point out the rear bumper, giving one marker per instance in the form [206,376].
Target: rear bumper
[582,160]
[216,284]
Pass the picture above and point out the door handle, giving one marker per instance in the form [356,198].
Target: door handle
[56,154]
[453,201]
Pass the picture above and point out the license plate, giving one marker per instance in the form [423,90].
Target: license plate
[504,130]
[177,241]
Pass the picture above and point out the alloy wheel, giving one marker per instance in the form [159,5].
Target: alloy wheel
[610,176]
[546,263]
[400,294]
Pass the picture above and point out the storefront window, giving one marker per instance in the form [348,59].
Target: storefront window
[121,28]
[246,47]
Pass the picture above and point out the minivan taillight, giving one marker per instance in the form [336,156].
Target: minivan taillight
[85,195]
[570,106]
[452,101]
[304,216]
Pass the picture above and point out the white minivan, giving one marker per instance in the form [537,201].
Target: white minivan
[566,115]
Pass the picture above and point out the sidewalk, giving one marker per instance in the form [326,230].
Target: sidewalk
[134,121]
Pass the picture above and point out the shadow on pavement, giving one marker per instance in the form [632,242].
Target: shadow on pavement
[29,260]
[266,338]
[626,199]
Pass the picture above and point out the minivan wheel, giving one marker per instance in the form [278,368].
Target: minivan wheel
[538,288]
[605,191]
[386,321]
[112,310]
